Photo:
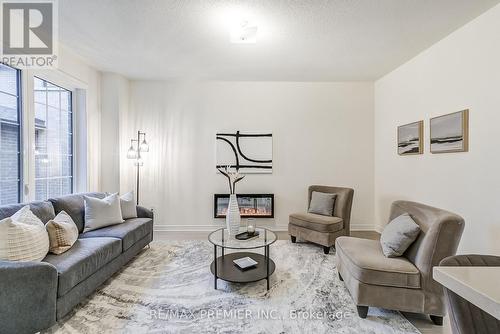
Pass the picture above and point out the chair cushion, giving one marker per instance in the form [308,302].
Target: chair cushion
[366,262]
[130,231]
[317,222]
[82,260]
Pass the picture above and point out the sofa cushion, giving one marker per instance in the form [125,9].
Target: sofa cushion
[74,206]
[43,210]
[130,231]
[317,222]
[83,259]
[366,262]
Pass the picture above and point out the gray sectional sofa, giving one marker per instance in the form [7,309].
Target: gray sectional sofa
[34,295]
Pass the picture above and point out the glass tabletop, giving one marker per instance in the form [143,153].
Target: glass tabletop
[222,238]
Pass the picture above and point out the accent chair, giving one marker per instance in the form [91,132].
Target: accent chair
[320,229]
[402,283]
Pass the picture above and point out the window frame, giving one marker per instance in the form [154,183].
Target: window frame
[72,176]
[77,89]
[20,141]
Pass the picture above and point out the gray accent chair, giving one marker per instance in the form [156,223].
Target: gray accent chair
[34,295]
[403,283]
[465,317]
[319,229]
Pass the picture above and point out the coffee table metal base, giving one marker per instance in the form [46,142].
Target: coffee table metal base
[225,268]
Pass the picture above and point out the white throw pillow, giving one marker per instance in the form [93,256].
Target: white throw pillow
[23,237]
[102,212]
[62,231]
[127,203]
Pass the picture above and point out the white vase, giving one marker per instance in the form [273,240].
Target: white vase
[233,218]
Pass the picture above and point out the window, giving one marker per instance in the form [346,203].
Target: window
[53,140]
[37,158]
[10,136]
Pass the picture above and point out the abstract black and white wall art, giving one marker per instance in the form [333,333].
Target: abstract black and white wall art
[247,152]
[450,133]
[410,138]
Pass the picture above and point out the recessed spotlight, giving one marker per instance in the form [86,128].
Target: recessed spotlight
[244,33]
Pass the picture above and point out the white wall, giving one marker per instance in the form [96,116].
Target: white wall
[114,101]
[323,133]
[460,72]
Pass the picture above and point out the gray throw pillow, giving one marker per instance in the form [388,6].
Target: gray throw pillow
[322,203]
[398,235]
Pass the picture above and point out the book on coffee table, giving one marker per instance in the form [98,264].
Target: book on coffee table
[247,236]
[245,262]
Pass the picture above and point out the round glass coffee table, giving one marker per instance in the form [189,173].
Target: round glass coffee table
[223,266]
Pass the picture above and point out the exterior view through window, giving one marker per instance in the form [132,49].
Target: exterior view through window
[10,136]
[53,140]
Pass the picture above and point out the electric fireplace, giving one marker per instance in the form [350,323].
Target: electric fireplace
[251,205]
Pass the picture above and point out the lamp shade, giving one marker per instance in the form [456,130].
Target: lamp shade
[131,153]
[144,146]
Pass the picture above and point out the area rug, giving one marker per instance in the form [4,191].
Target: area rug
[169,289]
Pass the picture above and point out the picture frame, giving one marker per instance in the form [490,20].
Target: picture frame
[247,152]
[411,138]
[450,133]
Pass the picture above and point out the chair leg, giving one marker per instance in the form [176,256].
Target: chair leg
[293,238]
[326,249]
[340,277]
[362,311]
[437,320]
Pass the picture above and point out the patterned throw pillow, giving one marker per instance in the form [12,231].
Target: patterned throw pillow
[23,237]
[63,233]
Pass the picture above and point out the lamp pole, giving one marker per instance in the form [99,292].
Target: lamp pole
[134,152]
[138,162]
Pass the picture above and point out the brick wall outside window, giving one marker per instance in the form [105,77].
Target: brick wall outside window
[9,136]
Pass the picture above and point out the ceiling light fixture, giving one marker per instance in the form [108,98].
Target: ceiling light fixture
[244,33]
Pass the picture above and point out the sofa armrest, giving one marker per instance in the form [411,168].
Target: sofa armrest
[143,212]
[28,293]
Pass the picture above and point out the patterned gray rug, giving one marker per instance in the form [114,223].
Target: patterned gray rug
[169,289]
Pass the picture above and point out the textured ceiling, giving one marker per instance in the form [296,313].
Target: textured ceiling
[297,40]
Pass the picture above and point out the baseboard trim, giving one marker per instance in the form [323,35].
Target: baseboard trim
[212,227]
[363,227]
[208,228]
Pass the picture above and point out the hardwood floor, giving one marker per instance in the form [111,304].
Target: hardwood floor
[421,322]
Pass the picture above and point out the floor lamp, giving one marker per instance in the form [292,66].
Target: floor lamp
[138,146]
